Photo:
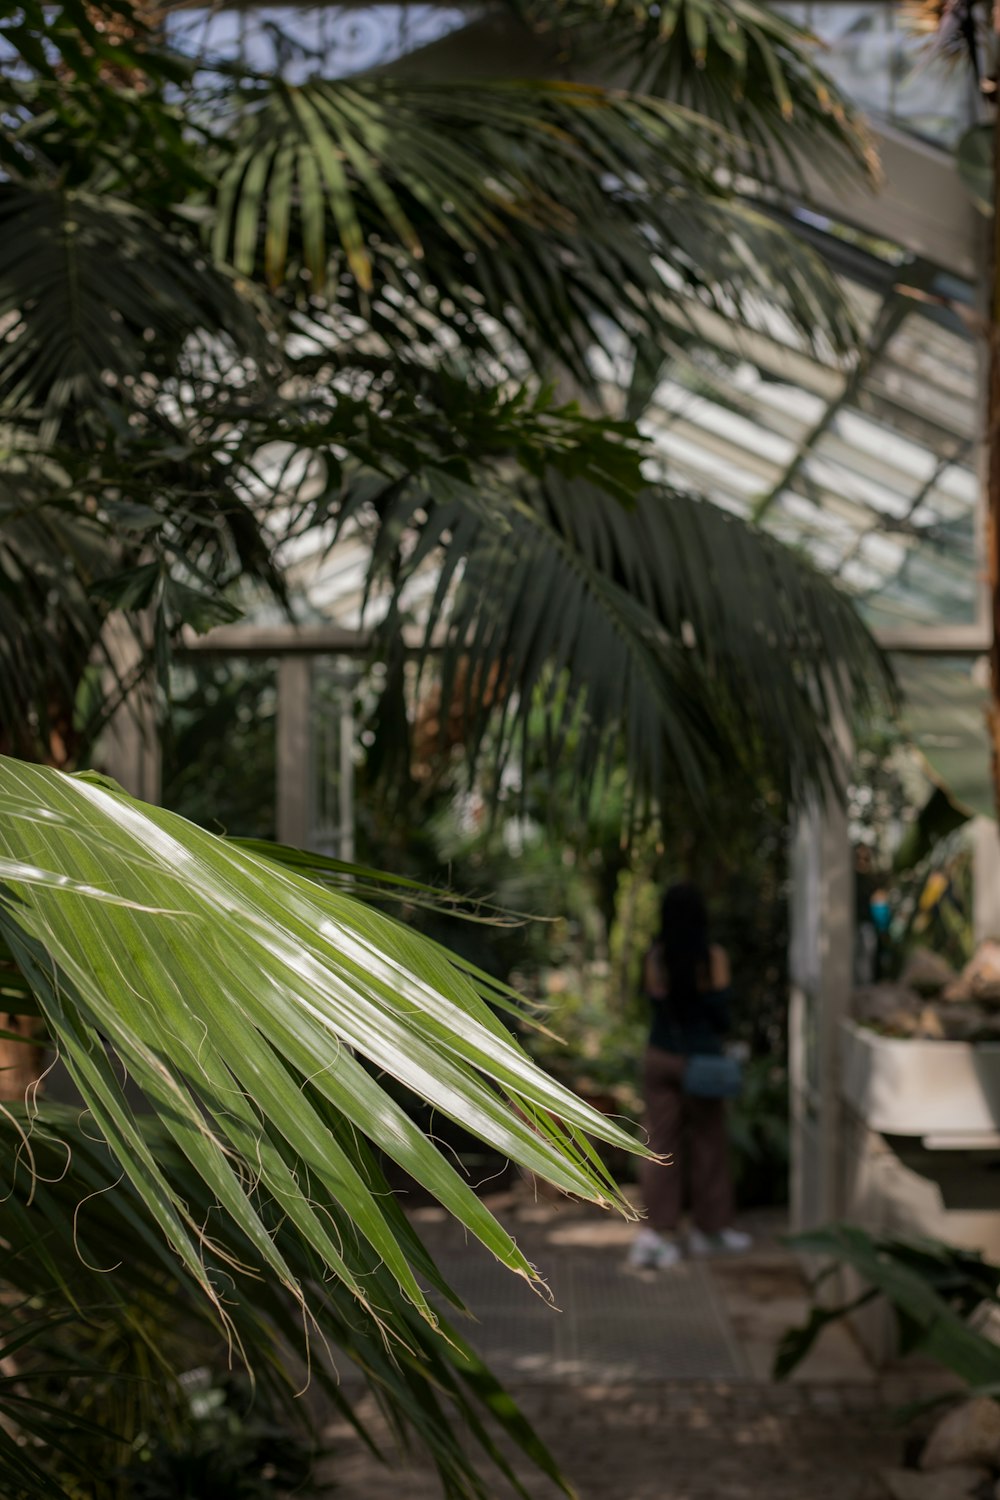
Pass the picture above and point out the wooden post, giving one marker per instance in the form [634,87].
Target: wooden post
[294,767]
[993,424]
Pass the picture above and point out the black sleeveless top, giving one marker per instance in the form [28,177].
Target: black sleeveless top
[698,1027]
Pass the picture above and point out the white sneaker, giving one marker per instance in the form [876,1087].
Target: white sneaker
[728,1241]
[652,1251]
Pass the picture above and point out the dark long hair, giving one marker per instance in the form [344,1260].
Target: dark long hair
[684,940]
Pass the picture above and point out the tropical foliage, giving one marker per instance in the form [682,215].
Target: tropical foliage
[234,312]
[257,1015]
[269,309]
[936,1293]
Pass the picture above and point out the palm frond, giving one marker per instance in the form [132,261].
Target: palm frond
[670,630]
[245,1004]
[229,983]
[561,214]
[434,1387]
[739,63]
[48,624]
[140,532]
[82,97]
[478,161]
[32,1429]
[96,299]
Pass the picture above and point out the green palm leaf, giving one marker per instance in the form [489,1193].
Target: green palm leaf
[565,213]
[49,554]
[670,630]
[240,980]
[256,1011]
[474,161]
[141,530]
[59,1223]
[32,1429]
[82,97]
[97,298]
[737,62]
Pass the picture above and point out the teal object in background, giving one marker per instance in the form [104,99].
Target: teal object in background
[712,1075]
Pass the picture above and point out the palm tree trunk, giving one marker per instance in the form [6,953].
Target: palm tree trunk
[21,1063]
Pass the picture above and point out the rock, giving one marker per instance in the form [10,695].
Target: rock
[986,1320]
[926,972]
[901,1023]
[944,1484]
[980,979]
[968,1434]
[929,1025]
[965,1022]
[892,1006]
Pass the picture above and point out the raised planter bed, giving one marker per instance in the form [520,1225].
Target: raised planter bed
[919,1146]
[913,1087]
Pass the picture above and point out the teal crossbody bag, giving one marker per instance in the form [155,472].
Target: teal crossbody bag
[712,1075]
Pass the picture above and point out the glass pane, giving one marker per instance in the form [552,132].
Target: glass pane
[872,473]
[302,41]
[946,702]
[885,65]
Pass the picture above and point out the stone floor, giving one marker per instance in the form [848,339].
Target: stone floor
[656,1386]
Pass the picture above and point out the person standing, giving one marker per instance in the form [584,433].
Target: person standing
[686,980]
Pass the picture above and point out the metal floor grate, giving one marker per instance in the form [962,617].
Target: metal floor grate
[612,1325]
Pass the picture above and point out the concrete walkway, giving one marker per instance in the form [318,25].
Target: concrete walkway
[654,1386]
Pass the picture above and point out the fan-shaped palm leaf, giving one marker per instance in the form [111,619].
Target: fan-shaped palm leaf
[244,1001]
[224,983]
[478,160]
[738,62]
[96,299]
[57,1255]
[562,213]
[670,629]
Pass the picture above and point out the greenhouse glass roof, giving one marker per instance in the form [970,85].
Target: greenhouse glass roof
[882,62]
[870,468]
[302,39]
[873,51]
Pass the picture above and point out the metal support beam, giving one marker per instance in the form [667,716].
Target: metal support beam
[985,880]
[346,781]
[821,972]
[890,315]
[821,965]
[920,204]
[936,640]
[276,640]
[331,640]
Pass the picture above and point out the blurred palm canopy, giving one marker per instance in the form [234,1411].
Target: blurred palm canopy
[516,334]
[566,352]
[864,456]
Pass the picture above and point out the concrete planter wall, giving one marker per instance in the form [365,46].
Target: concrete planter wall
[919,1150]
[911,1087]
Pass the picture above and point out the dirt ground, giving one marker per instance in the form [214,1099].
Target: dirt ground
[676,1444]
[823,1436]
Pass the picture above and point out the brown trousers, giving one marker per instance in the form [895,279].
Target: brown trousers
[668,1112]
